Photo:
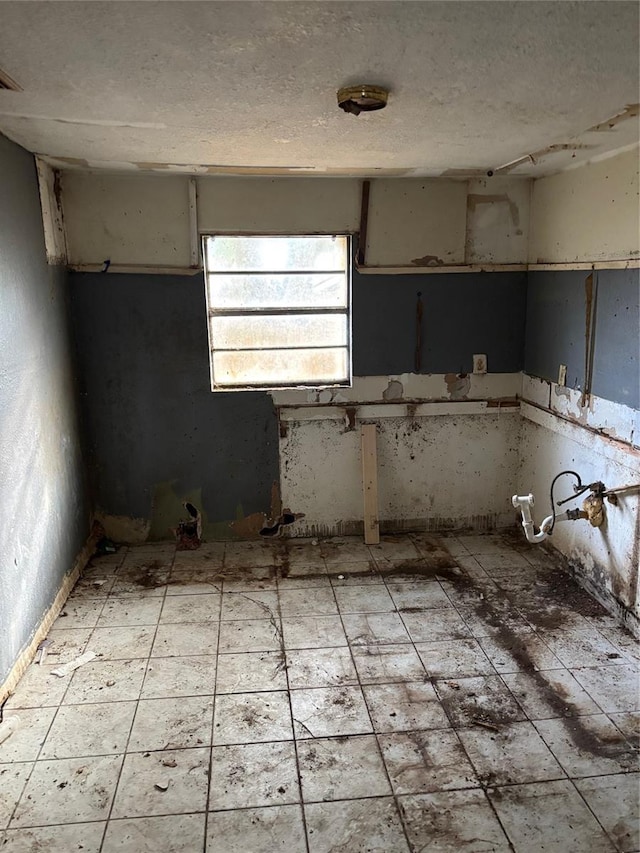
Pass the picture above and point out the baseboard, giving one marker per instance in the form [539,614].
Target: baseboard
[28,653]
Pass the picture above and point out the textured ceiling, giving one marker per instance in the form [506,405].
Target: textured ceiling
[474,85]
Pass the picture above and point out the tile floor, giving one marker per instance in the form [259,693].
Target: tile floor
[456,694]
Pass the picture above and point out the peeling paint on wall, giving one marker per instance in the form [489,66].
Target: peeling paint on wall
[393,391]
[458,385]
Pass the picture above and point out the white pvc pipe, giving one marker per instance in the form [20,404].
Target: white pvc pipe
[524,504]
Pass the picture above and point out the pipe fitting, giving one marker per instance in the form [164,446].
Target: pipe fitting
[524,504]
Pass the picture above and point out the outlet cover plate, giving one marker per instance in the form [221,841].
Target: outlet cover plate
[479,364]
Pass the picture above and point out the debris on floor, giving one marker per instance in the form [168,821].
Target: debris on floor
[8,727]
[451,693]
[188,533]
[67,668]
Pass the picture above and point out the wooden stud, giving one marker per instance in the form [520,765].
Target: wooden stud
[368,434]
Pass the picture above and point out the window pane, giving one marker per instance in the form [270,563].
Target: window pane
[280,367]
[280,291]
[276,254]
[279,331]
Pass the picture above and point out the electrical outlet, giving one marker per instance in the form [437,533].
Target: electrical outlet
[479,364]
[562,375]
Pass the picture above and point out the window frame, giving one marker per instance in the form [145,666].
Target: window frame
[286,311]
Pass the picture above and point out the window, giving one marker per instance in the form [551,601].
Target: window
[279,311]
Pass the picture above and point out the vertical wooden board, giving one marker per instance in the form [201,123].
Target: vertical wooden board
[368,435]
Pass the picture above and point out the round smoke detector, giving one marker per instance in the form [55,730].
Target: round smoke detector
[362,99]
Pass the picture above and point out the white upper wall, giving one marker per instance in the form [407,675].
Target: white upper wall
[590,213]
[144,219]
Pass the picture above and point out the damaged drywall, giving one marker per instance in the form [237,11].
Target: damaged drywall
[557,308]
[158,435]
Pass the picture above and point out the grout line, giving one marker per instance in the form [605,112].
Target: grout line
[373,728]
[283,652]
[213,713]
[57,707]
[125,752]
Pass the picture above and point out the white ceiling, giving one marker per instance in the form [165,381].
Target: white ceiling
[228,85]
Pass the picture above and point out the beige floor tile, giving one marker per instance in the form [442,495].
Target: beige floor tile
[364,629]
[249,605]
[106,681]
[93,587]
[372,598]
[86,837]
[251,718]
[404,707]
[379,664]
[179,676]
[122,643]
[616,689]
[66,645]
[320,667]
[80,730]
[548,816]
[420,762]
[359,826]
[313,632]
[188,608]
[454,658]
[79,613]
[452,821]
[38,688]
[310,581]
[433,625]
[25,742]
[549,694]
[615,801]
[194,582]
[120,612]
[13,778]
[248,555]
[483,699]
[590,745]
[193,638]
[160,783]
[69,790]
[345,550]
[354,574]
[262,830]
[253,774]
[172,723]
[251,671]
[341,768]
[169,834]
[209,555]
[250,635]
[416,595]
[583,649]
[521,651]
[257,579]
[290,555]
[515,753]
[481,543]
[329,712]
[307,602]
[629,725]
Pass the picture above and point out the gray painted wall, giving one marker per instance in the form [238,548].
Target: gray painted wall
[44,515]
[556,331]
[463,314]
[157,433]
